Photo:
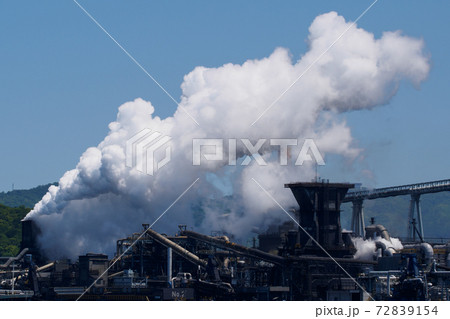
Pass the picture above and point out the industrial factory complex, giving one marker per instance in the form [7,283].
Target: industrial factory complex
[309,257]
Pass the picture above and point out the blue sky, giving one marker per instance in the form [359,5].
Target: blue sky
[62,78]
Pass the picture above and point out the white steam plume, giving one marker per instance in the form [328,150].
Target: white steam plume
[366,248]
[102,200]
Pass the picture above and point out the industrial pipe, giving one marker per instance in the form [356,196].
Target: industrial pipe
[45,267]
[385,250]
[242,250]
[115,274]
[169,266]
[177,248]
[425,249]
[18,257]
[373,231]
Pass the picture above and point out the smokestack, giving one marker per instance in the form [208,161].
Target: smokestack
[30,233]
[320,216]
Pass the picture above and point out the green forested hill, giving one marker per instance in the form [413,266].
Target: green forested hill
[14,205]
[24,197]
[11,229]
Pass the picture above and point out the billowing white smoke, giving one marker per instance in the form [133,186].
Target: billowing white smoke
[367,250]
[102,199]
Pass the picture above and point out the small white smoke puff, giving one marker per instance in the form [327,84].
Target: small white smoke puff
[102,199]
[366,248]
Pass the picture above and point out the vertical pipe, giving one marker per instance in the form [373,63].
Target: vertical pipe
[354,220]
[388,284]
[169,266]
[141,261]
[13,281]
[444,287]
[316,221]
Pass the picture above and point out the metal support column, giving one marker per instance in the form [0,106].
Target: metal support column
[411,232]
[419,216]
[358,218]
[415,209]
